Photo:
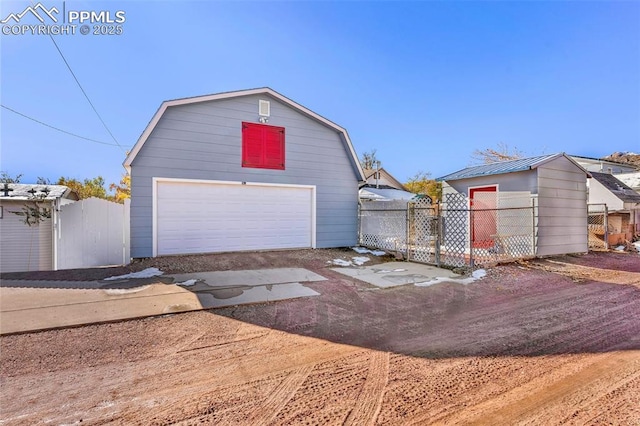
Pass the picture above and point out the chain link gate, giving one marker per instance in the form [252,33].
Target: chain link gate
[422,229]
[454,230]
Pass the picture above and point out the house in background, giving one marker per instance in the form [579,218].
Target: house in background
[556,184]
[632,180]
[623,205]
[24,247]
[244,170]
[604,166]
[382,186]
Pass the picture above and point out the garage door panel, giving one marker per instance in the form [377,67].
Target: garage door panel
[214,217]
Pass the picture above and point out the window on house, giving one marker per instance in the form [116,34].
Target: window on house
[262,146]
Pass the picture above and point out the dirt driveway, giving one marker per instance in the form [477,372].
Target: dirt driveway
[554,341]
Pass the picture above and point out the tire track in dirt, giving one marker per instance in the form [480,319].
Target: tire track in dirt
[269,409]
[369,402]
[206,340]
[538,396]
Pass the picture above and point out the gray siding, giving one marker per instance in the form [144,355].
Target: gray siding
[508,182]
[562,208]
[204,141]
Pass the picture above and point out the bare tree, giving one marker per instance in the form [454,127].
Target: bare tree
[493,155]
[369,160]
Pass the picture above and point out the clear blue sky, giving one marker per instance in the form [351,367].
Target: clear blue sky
[423,83]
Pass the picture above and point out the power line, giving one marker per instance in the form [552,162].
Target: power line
[85,93]
[56,128]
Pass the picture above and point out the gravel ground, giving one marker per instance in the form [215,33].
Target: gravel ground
[553,341]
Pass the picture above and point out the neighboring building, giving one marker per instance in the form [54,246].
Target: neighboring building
[632,180]
[24,247]
[623,205]
[380,178]
[555,183]
[245,170]
[382,186]
[604,166]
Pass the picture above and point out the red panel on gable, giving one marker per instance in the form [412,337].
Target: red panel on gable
[262,146]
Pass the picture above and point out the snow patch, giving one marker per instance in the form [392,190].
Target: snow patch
[619,248]
[146,273]
[355,261]
[362,250]
[478,274]
[119,291]
[388,271]
[360,260]
[637,246]
[187,283]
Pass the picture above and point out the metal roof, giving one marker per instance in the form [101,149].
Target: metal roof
[501,167]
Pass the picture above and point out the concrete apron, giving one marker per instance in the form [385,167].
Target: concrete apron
[31,306]
[394,274]
[229,288]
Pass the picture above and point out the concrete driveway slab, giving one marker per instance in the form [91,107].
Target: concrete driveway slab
[243,295]
[394,274]
[30,309]
[251,277]
[228,288]
[37,305]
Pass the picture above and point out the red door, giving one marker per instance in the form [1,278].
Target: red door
[484,202]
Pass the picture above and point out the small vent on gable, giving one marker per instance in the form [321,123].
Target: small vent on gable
[264,108]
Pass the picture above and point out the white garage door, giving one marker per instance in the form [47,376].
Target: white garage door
[207,217]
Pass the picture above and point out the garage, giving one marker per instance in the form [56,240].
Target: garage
[198,216]
[239,171]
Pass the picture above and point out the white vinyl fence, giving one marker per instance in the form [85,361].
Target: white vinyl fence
[92,232]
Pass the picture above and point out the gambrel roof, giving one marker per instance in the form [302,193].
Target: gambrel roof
[226,95]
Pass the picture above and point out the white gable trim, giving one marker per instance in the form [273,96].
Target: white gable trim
[561,154]
[226,95]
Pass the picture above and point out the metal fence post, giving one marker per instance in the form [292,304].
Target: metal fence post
[359,223]
[406,243]
[533,226]
[606,227]
[471,236]
[438,234]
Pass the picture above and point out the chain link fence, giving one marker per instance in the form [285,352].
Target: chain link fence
[383,225]
[451,233]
